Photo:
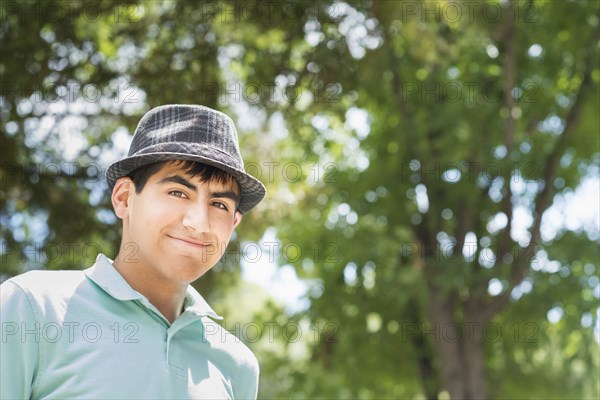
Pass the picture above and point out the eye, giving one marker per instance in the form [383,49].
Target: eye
[178,193]
[221,205]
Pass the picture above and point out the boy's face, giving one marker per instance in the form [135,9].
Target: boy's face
[177,226]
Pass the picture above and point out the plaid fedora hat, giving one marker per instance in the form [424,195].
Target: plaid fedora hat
[189,132]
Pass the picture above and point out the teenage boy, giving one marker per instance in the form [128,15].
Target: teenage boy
[135,328]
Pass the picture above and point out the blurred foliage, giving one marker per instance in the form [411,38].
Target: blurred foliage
[391,135]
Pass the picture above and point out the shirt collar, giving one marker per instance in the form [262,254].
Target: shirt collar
[104,274]
[196,304]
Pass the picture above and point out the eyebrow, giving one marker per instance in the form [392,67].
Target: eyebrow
[179,179]
[227,194]
[185,182]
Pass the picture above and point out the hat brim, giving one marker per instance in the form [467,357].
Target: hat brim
[252,190]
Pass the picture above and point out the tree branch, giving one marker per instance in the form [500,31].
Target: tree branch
[379,13]
[510,66]
[544,198]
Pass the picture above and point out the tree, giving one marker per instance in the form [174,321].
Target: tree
[460,145]
[411,152]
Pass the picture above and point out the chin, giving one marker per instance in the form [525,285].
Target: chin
[190,271]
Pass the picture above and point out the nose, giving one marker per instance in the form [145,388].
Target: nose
[197,219]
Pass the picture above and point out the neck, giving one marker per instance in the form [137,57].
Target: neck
[166,295]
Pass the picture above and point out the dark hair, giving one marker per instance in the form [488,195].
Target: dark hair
[207,173]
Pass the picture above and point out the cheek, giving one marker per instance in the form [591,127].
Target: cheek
[152,216]
[223,229]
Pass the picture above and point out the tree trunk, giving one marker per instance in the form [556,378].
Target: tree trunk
[474,362]
[429,377]
[440,312]
[459,346]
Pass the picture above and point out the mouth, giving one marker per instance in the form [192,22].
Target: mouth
[190,242]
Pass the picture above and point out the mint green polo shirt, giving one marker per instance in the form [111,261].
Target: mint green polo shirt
[90,335]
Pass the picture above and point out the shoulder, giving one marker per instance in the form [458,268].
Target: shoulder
[230,345]
[42,288]
[244,369]
[40,282]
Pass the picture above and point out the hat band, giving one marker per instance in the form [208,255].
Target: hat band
[192,149]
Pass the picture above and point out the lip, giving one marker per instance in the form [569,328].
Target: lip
[189,242]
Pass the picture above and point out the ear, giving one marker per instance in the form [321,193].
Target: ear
[121,193]
[237,218]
